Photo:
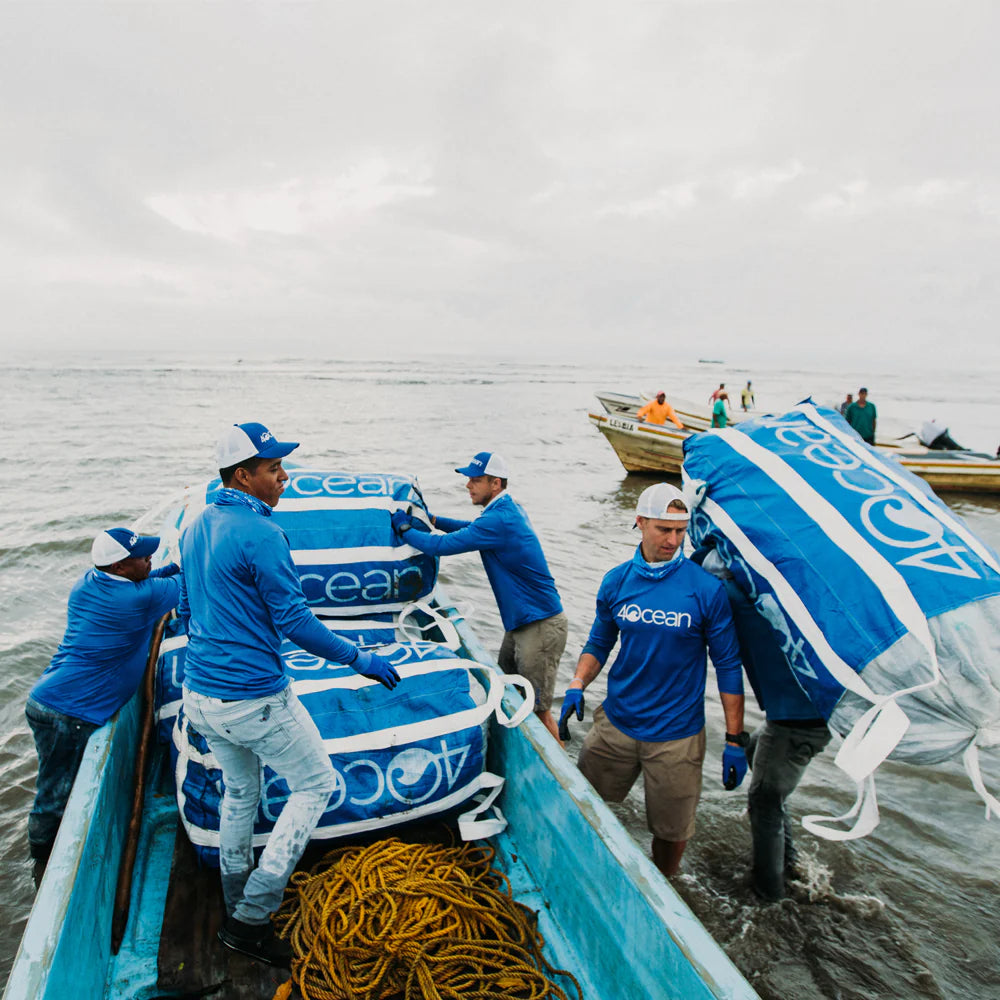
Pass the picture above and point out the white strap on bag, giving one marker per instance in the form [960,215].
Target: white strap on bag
[475,824]
[413,632]
[865,808]
[970,759]
[526,707]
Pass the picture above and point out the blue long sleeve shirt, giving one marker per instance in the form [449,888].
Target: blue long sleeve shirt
[665,618]
[240,594]
[102,656]
[512,557]
[773,681]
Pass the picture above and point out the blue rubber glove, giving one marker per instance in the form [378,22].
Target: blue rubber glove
[572,702]
[403,521]
[378,668]
[400,522]
[734,766]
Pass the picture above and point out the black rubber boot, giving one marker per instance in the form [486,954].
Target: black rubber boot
[256,941]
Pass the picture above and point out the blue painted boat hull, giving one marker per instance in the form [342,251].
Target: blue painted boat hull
[618,925]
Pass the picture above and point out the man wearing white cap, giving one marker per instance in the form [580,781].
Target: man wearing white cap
[525,592]
[666,611]
[97,667]
[241,594]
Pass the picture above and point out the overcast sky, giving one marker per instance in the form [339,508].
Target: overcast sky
[706,178]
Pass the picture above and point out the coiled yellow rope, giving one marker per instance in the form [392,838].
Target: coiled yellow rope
[416,921]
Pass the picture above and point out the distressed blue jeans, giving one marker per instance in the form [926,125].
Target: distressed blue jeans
[274,730]
[778,754]
[60,741]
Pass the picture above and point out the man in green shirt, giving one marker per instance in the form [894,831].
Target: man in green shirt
[861,416]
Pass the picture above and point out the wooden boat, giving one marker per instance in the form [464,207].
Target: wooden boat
[605,912]
[653,448]
[691,415]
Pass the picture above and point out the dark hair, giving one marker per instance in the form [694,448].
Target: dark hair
[503,482]
[862,389]
[250,464]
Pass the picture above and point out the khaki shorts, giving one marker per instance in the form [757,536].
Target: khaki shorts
[671,771]
[534,650]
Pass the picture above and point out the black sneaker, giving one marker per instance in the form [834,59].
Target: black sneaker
[256,941]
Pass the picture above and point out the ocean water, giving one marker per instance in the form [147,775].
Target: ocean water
[909,912]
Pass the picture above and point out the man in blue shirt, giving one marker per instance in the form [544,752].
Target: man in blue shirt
[665,610]
[525,592]
[240,594]
[793,733]
[97,667]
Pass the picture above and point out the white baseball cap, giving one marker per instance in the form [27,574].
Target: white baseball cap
[486,463]
[115,544]
[654,501]
[243,441]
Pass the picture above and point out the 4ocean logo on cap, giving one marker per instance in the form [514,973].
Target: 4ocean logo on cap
[632,613]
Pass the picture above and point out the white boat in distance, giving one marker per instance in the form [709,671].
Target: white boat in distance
[659,448]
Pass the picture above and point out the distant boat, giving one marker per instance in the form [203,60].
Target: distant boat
[710,361]
[656,448]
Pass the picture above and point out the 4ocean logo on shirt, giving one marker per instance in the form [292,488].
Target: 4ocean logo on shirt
[633,613]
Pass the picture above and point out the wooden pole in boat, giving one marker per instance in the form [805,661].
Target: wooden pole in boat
[123,892]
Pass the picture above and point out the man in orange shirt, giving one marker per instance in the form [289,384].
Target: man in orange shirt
[658,411]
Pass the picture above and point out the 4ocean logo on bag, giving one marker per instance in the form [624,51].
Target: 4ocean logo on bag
[384,781]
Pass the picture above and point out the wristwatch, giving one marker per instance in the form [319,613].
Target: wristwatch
[740,739]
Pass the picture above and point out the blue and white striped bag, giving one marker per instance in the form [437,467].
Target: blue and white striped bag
[339,529]
[888,604]
[401,755]
[416,751]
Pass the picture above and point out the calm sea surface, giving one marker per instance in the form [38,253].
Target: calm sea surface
[909,912]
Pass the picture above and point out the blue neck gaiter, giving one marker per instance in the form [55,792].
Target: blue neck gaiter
[656,571]
[228,497]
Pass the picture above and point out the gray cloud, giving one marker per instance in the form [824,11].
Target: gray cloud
[711,177]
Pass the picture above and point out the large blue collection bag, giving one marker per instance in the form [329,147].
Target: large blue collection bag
[888,605]
[399,755]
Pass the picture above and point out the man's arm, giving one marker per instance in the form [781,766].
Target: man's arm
[486,532]
[587,668]
[673,417]
[278,583]
[732,708]
[165,592]
[449,524]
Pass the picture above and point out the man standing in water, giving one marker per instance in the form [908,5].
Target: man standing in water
[793,733]
[720,416]
[747,398]
[240,595]
[525,592]
[666,611]
[861,416]
[96,669]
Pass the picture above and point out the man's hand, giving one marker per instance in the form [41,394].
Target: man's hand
[734,766]
[403,521]
[375,667]
[572,702]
